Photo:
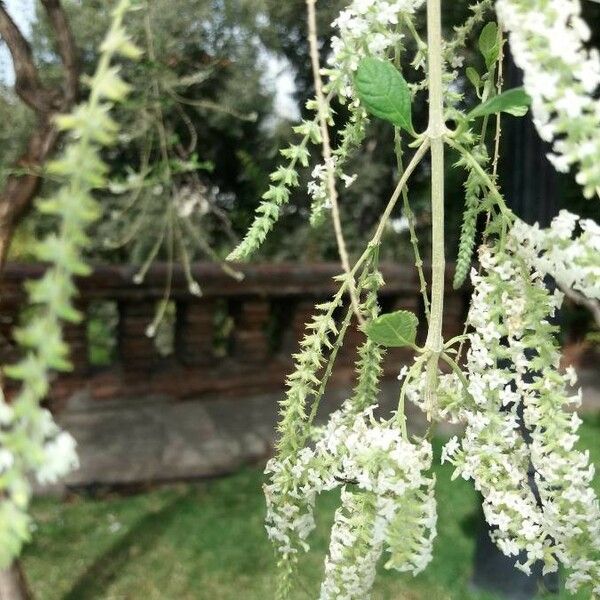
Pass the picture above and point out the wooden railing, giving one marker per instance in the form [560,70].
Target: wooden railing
[266,313]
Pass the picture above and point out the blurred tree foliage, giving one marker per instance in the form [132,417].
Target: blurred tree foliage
[222,133]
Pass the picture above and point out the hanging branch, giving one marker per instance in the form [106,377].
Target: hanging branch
[324,115]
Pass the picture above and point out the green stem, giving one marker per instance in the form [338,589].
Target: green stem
[457,370]
[436,132]
[410,217]
[401,413]
[454,340]
[506,212]
[488,91]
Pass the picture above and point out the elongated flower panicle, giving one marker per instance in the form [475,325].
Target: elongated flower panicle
[562,76]
[303,383]
[412,531]
[398,511]
[387,501]
[493,452]
[519,441]
[574,262]
[563,474]
[476,191]
[350,567]
[30,441]
[513,369]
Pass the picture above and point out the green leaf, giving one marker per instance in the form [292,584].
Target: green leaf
[489,44]
[394,330]
[384,92]
[515,102]
[474,77]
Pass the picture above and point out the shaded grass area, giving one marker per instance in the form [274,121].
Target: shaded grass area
[206,541]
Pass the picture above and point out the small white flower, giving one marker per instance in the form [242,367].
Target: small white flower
[60,458]
[403,373]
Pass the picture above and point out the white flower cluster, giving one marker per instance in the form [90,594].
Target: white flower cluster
[574,263]
[354,551]
[50,452]
[59,454]
[548,41]
[493,452]
[513,370]
[366,28]
[294,484]
[46,451]
[317,186]
[450,396]
[389,484]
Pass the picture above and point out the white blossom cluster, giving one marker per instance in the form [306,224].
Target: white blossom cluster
[59,451]
[574,263]
[450,396]
[513,370]
[51,453]
[47,451]
[365,28]
[562,76]
[387,500]
[354,551]
[294,484]
[317,186]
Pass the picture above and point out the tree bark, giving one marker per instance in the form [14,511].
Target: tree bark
[13,585]
[21,188]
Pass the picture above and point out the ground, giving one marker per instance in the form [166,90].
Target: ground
[205,541]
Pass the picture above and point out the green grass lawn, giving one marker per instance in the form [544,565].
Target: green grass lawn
[206,541]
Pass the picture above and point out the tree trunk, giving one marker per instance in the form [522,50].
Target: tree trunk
[13,585]
[21,188]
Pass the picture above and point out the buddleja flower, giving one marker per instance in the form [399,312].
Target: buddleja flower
[31,443]
[365,28]
[396,509]
[493,452]
[562,76]
[387,500]
[513,368]
[574,263]
[354,551]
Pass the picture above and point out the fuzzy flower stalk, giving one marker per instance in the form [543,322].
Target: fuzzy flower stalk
[519,446]
[30,441]
[366,28]
[387,501]
[562,75]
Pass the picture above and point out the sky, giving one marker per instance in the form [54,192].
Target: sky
[23,12]
[278,73]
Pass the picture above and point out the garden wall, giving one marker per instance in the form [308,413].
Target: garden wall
[201,399]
